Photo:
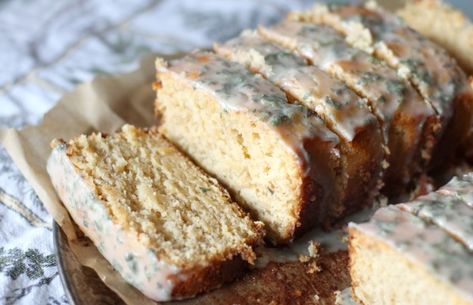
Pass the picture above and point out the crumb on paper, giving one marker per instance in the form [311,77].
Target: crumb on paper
[304,258]
[316,298]
[297,292]
[313,267]
[313,248]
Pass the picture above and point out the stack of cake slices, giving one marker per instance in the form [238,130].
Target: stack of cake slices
[303,122]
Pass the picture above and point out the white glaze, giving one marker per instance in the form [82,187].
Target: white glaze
[446,209]
[328,50]
[337,104]
[461,187]
[427,65]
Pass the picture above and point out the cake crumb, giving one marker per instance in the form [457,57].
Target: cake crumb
[304,258]
[313,267]
[313,248]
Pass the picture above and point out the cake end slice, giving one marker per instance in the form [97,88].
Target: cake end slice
[167,228]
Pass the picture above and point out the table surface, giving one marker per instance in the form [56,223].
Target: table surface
[47,48]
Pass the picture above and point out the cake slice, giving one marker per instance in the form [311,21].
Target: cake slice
[429,67]
[408,121]
[278,159]
[398,259]
[168,229]
[346,114]
[447,209]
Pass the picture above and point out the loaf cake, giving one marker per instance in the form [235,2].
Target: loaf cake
[169,229]
[427,243]
[431,70]
[409,123]
[278,159]
[346,114]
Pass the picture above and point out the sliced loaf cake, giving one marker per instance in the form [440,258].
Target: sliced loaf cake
[169,229]
[361,142]
[278,159]
[399,259]
[409,122]
[429,67]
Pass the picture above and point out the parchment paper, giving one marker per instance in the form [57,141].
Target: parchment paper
[104,104]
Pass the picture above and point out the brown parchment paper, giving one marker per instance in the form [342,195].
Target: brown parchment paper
[104,104]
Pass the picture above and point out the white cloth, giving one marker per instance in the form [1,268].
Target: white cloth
[48,47]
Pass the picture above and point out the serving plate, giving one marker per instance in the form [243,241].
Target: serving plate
[290,282]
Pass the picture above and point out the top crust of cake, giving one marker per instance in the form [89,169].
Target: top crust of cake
[430,68]
[328,50]
[340,107]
